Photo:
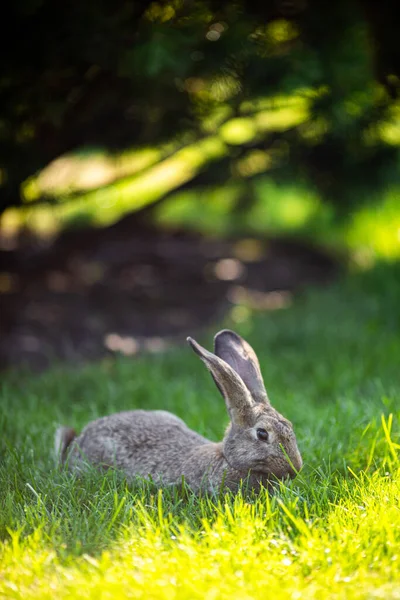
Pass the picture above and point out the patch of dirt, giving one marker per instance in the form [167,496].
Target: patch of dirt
[126,289]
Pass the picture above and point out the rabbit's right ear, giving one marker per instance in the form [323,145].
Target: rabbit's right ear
[237,397]
[234,350]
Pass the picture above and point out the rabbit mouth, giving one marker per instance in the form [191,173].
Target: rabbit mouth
[260,468]
[268,475]
[262,474]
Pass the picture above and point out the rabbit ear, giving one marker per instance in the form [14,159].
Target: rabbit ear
[229,383]
[235,351]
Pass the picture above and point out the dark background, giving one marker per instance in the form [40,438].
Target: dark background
[168,122]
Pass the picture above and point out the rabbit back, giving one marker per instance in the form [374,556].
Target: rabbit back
[140,443]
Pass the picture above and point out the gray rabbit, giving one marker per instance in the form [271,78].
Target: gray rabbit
[259,444]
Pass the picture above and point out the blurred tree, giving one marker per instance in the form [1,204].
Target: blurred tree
[124,73]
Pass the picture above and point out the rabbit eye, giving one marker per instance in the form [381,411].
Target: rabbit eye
[262,435]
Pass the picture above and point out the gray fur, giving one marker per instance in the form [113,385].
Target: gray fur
[62,440]
[235,351]
[159,445]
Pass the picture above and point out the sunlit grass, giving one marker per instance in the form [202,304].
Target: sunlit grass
[330,363]
[249,547]
[389,130]
[375,230]
[277,209]
[370,232]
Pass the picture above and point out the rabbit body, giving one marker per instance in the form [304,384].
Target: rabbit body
[143,443]
[159,445]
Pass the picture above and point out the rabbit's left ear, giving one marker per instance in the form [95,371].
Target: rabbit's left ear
[235,351]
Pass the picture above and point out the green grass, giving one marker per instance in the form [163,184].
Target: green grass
[331,365]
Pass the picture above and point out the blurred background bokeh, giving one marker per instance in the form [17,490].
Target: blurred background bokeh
[168,165]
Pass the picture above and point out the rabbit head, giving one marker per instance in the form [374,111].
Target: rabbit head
[259,439]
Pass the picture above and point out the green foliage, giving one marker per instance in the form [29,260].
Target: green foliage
[139,74]
[330,363]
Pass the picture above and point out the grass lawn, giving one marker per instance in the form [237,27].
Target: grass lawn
[331,365]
